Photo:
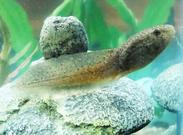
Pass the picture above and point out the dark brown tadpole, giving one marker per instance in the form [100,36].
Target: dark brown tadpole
[142,48]
[99,66]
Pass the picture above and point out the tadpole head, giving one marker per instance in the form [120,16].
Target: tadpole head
[145,46]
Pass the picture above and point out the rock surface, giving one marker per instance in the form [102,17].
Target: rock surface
[121,105]
[118,108]
[168,88]
[62,35]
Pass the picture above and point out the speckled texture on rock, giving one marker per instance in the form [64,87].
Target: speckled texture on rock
[122,105]
[32,120]
[41,118]
[70,129]
[167,89]
[62,35]
[112,111]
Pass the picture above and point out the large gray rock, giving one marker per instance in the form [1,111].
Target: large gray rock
[32,119]
[118,108]
[39,117]
[122,105]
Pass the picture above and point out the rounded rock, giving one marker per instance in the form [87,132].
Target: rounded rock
[122,105]
[167,89]
[62,35]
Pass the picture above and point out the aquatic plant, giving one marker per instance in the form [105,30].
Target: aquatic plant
[100,32]
[23,44]
[103,35]
[19,42]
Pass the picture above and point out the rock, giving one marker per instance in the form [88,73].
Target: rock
[118,108]
[168,88]
[32,119]
[161,115]
[39,117]
[122,106]
[62,35]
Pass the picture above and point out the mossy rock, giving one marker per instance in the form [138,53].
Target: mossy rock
[118,108]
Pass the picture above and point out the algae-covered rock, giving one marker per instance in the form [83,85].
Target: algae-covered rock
[41,118]
[10,102]
[23,114]
[32,119]
[118,108]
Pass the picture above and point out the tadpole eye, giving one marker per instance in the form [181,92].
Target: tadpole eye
[156,32]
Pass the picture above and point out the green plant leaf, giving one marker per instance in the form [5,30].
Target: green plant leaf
[92,17]
[22,66]
[157,12]
[64,9]
[18,56]
[98,31]
[158,111]
[117,37]
[4,70]
[6,41]
[77,8]
[20,33]
[124,12]
[17,24]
